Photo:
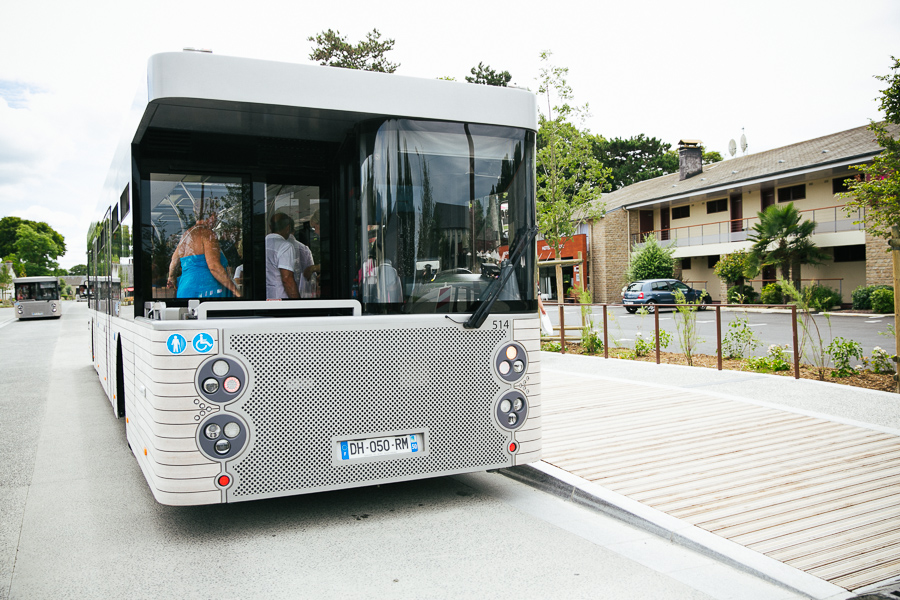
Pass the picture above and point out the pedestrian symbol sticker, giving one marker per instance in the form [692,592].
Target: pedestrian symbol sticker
[176,343]
[203,342]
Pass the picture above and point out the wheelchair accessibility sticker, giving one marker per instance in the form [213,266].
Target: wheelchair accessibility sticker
[203,342]
[176,343]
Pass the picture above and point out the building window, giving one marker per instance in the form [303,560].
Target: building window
[839,184]
[856,253]
[716,206]
[711,261]
[686,263]
[681,212]
[789,194]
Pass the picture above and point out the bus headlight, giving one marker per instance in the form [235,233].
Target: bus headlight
[221,379]
[222,436]
[53,306]
[212,431]
[511,362]
[512,409]
[232,429]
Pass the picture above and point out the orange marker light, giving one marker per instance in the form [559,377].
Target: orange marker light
[224,480]
[513,447]
[145,452]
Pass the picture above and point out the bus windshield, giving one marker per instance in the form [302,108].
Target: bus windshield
[441,203]
[44,290]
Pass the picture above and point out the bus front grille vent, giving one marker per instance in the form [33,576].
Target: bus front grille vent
[312,386]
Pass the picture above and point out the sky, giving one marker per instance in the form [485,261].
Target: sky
[778,72]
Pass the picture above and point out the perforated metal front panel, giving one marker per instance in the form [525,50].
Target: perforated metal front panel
[310,386]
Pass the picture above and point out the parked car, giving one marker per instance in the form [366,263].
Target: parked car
[650,292]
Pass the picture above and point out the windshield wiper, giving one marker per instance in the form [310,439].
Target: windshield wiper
[523,242]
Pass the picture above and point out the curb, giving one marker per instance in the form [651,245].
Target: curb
[560,483]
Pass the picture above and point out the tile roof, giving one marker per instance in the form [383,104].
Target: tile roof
[826,151]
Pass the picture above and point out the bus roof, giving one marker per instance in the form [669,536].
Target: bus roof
[36,279]
[182,80]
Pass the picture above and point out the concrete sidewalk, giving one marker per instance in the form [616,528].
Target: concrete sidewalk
[796,481]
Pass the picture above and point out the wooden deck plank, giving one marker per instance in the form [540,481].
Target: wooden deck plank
[819,495]
[834,486]
[802,472]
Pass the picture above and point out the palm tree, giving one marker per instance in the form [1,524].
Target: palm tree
[781,239]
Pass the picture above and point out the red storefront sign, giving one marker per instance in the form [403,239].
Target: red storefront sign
[569,249]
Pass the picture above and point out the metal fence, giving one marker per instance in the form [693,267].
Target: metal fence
[717,308]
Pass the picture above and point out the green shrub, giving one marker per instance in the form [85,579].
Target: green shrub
[841,350]
[741,295]
[740,339]
[881,361]
[732,267]
[776,360]
[651,261]
[862,296]
[643,347]
[592,340]
[883,301]
[551,347]
[820,297]
[771,294]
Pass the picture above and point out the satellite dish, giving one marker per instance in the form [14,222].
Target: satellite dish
[743,143]
[732,147]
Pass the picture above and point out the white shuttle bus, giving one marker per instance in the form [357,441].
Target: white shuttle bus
[334,279]
[37,297]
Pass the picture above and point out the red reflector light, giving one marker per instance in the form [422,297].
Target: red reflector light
[641,296]
[513,447]
[224,480]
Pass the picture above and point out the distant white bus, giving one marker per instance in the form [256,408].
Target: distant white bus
[37,298]
[319,296]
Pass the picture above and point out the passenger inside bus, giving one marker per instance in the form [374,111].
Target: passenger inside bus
[280,282]
[199,259]
[303,260]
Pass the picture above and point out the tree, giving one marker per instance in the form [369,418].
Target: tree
[5,278]
[9,230]
[712,157]
[569,177]
[651,261]
[36,251]
[876,189]
[485,75]
[634,159]
[78,270]
[781,239]
[732,268]
[333,50]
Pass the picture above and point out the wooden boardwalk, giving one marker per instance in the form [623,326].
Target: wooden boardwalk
[821,496]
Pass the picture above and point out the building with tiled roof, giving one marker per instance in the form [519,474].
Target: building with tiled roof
[707,211]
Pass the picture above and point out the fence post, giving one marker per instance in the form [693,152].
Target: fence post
[562,328]
[656,331]
[605,336]
[796,349]
[719,335]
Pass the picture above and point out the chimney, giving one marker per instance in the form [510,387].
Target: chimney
[690,159]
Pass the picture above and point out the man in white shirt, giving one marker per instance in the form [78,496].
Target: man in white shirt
[280,282]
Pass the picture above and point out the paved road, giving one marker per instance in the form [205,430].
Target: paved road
[769,328]
[79,522]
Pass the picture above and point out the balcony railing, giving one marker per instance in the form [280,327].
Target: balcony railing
[828,220]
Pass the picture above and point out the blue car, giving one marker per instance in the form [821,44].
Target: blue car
[650,292]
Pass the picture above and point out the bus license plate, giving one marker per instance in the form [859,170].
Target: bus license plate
[37,314]
[380,446]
